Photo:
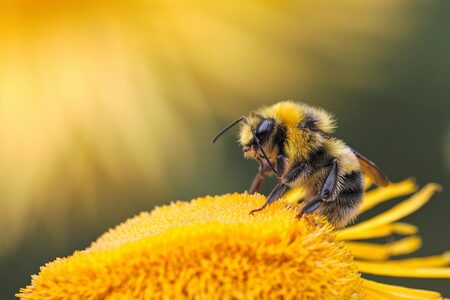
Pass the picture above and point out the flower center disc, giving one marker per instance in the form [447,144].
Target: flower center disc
[209,248]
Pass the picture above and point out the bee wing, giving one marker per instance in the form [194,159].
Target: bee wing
[371,170]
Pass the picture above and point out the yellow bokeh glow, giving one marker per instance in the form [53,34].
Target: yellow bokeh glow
[99,90]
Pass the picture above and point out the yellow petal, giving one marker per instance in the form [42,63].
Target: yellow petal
[294,195]
[383,251]
[367,183]
[376,295]
[404,246]
[386,291]
[428,262]
[404,228]
[397,212]
[380,231]
[393,190]
[388,269]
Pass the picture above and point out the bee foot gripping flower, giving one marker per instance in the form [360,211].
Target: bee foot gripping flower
[210,248]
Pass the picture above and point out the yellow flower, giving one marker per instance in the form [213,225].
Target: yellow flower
[210,248]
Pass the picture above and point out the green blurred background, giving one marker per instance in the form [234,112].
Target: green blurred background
[107,108]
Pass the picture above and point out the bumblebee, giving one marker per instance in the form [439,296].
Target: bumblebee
[294,142]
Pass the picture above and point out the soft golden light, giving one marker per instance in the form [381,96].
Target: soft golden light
[95,94]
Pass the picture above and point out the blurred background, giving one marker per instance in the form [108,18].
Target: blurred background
[107,108]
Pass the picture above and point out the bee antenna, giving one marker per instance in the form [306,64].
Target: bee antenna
[228,127]
[265,156]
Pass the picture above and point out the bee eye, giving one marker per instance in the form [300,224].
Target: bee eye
[264,128]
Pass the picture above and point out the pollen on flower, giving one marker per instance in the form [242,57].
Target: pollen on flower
[207,248]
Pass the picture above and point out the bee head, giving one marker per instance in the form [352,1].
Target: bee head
[255,137]
[255,134]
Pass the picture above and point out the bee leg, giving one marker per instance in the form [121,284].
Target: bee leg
[310,207]
[281,186]
[276,192]
[264,169]
[330,182]
[256,183]
[280,165]
[325,192]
